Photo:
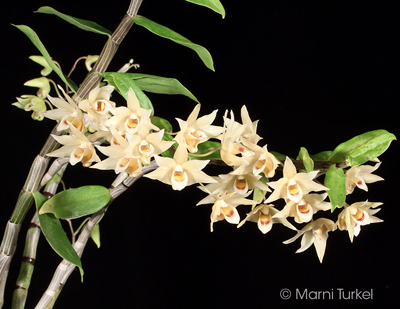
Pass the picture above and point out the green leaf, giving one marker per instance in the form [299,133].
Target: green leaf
[162,123]
[80,23]
[307,161]
[78,202]
[362,148]
[167,33]
[158,84]
[122,83]
[321,156]
[55,235]
[95,234]
[36,41]
[336,182]
[205,148]
[214,5]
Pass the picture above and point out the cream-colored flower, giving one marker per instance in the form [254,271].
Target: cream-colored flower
[97,106]
[65,113]
[178,172]
[130,118]
[77,146]
[262,161]
[356,215]
[230,145]
[240,182]
[265,217]
[360,175]
[316,232]
[250,133]
[303,210]
[121,156]
[196,130]
[224,205]
[293,186]
[147,145]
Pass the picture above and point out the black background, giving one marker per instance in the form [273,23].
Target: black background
[314,73]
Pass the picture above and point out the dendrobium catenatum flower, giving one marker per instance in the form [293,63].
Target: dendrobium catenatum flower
[77,146]
[315,232]
[229,143]
[66,113]
[130,118]
[42,61]
[240,182]
[356,215]
[303,210]
[264,216]
[360,175]
[97,106]
[121,156]
[90,59]
[293,186]
[178,172]
[195,130]
[224,205]
[262,161]
[32,103]
[250,133]
[42,83]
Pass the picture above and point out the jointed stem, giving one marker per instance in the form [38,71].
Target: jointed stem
[29,254]
[64,269]
[39,166]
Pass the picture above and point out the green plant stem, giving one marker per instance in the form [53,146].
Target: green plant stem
[29,254]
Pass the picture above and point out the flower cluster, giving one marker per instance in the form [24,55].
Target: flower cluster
[130,140]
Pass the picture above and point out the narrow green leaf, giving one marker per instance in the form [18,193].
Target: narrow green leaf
[307,161]
[214,5]
[321,156]
[80,23]
[162,124]
[208,148]
[362,148]
[75,203]
[167,33]
[122,83]
[39,45]
[55,235]
[158,84]
[336,182]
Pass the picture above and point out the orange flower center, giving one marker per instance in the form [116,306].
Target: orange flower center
[132,123]
[265,219]
[99,106]
[76,122]
[304,208]
[359,216]
[294,189]
[179,176]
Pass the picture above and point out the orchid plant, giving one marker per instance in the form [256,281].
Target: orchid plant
[309,194]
